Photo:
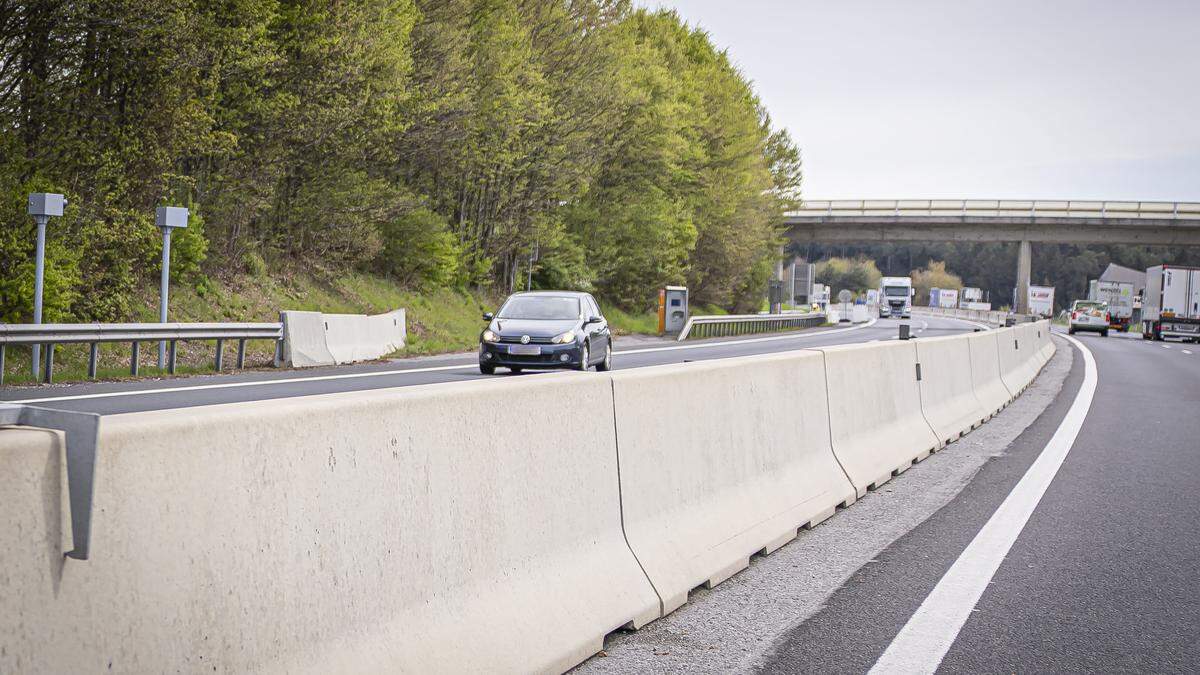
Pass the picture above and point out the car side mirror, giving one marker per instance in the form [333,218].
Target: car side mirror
[592,319]
[488,316]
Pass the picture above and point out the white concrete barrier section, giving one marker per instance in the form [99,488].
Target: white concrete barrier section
[720,460]
[1019,356]
[859,314]
[465,527]
[316,339]
[985,372]
[876,423]
[304,343]
[947,389]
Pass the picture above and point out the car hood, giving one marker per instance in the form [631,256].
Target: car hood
[533,327]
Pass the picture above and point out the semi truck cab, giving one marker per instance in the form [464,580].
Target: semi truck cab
[895,297]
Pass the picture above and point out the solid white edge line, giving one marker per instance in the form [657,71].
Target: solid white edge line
[925,639]
[407,371]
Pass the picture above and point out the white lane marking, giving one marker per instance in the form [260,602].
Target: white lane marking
[932,629]
[1166,346]
[1186,351]
[409,371]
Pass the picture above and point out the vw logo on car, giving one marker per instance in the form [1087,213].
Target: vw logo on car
[524,339]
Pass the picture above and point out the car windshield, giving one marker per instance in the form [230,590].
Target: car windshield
[896,291]
[547,307]
[1083,305]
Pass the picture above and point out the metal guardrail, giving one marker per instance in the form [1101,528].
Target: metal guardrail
[50,334]
[722,325]
[81,433]
[999,208]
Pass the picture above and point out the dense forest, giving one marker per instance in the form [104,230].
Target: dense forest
[440,143]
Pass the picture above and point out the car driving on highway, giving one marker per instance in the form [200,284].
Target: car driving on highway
[1089,315]
[546,329]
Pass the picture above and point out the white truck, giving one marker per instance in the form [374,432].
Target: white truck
[1171,303]
[895,297]
[1119,296]
[946,298]
[1041,300]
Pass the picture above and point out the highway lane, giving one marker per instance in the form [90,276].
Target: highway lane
[1101,578]
[133,396]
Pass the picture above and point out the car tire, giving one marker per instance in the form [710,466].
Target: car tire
[583,358]
[1070,331]
[1103,333]
[487,369]
[606,365]
[516,370]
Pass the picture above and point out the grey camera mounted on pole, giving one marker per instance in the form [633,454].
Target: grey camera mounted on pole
[167,218]
[42,205]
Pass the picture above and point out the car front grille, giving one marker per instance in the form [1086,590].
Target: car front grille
[516,339]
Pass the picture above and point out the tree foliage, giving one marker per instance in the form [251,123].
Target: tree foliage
[933,275]
[579,143]
[856,275]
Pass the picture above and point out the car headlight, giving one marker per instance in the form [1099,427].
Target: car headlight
[489,336]
[563,339]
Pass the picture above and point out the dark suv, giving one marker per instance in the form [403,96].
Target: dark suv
[546,329]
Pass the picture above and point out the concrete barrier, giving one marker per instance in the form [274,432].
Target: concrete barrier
[876,423]
[448,528]
[985,372]
[947,387]
[720,460]
[316,339]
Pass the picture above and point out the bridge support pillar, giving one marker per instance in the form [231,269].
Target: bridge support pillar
[1024,265]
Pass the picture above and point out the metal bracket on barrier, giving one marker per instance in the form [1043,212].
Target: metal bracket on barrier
[82,433]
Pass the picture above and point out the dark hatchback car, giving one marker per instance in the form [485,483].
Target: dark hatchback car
[546,329]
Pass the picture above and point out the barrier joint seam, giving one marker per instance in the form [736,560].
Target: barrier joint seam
[621,500]
[81,434]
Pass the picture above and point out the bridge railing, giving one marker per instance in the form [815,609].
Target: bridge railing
[999,208]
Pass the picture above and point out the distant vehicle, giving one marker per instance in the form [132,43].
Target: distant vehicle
[972,298]
[895,297]
[1171,303]
[546,329]
[1119,297]
[1089,315]
[1041,300]
[946,298]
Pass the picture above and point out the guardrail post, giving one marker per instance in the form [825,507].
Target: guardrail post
[93,359]
[278,362]
[48,371]
[133,359]
[219,355]
[171,358]
[1,364]
[241,358]
[81,432]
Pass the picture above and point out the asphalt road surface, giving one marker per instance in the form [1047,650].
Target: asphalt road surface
[109,398]
[1101,577]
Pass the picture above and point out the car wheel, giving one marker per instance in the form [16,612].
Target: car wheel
[515,369]
[606,365]
[487,369]
[584,357]
[1103,333]
[1070,331]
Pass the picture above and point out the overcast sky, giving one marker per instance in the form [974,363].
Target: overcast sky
[1012,99]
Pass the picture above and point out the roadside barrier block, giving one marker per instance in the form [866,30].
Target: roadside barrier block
[721,460]
[947,387]
[876,422]
[464,527]
[316,339]
[985,371]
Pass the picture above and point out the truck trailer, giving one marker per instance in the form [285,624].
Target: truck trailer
[1119,296]
[1171,303]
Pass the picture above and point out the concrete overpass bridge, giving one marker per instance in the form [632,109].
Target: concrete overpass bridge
[992,220]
